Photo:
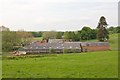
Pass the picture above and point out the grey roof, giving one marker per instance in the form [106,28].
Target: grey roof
[53,45]
[65,45]
[91,43]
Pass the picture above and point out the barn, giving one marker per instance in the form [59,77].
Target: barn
[93,46]
[46,47]
[69,46]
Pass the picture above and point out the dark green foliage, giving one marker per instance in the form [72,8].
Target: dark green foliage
[36,34]
[117,29]
[103,34]
[87,33]
[93,34]
[70,35]
[59,35]
[113,30]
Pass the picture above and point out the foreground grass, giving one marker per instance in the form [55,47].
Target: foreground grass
[76,65]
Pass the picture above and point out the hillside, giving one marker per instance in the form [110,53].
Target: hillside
[114,41]
[76,65]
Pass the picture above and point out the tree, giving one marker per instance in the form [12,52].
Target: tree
[118,29]
[26,37]
[72,35]
[14,40]
[77,35]
[93,34]
[9,40]
[66,35]
[86,33]
[36,34]
[49,35]
[103,34]
[59,35]
[69,35]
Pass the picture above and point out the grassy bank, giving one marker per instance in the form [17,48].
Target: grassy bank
[76,65]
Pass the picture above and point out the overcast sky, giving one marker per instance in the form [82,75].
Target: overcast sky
[60,15]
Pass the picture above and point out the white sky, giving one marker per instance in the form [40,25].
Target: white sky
[60,15]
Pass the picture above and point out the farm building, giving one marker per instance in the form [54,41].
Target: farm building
[93,46]
[70,47]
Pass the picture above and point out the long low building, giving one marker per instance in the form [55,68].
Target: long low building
[68,46]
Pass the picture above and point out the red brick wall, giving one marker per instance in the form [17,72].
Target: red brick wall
[96,48]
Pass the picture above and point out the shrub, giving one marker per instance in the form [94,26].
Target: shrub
[51,50]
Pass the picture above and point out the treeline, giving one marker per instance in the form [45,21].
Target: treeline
[86,33]
[113,30]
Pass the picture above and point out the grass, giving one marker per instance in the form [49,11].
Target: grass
[75,65]
[37,38]
[114,41]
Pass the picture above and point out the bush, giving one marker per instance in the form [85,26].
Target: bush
[51,50]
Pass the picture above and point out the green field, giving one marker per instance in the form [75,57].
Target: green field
[77,65]
[103,64]
[114,41]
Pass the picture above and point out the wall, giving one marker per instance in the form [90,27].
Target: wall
[95,48]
